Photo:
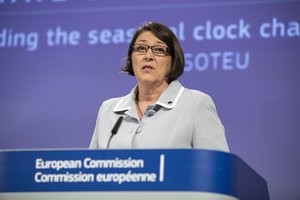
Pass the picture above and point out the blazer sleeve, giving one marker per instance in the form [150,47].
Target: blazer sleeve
[94,142]
[209,132]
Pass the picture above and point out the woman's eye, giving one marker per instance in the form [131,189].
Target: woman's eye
[159,49]
[140,48]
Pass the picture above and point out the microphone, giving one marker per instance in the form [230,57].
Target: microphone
[114,130]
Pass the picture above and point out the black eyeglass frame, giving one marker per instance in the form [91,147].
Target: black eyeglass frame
[167,52]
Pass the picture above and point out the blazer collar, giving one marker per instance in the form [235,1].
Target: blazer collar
[168,99]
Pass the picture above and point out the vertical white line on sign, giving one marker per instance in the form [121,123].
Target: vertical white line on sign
[162,168]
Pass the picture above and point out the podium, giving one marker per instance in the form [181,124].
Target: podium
[128,174]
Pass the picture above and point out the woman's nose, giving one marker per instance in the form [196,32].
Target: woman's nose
[149,54]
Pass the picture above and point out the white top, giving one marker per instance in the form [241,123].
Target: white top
[181,118]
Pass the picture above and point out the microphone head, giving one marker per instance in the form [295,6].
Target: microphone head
[117,125]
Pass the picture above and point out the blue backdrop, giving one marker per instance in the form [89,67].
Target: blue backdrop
[60,59]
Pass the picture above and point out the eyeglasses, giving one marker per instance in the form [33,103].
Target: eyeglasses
[157,50]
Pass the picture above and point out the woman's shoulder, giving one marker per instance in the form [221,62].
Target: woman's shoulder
[199,100]
[111,102]
[197,95]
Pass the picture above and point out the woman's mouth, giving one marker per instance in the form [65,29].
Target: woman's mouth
[147,67]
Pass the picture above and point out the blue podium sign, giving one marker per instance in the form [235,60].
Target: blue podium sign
[129,171]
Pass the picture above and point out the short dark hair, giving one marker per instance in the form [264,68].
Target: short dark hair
[163,33]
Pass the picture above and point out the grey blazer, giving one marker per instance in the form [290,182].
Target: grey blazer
[181,118]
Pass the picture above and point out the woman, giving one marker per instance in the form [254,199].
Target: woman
[159,112]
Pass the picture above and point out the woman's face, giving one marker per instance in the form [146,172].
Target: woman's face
[149,68]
